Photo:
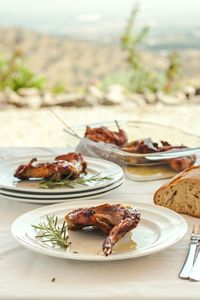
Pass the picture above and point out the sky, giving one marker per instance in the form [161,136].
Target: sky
[52,15]
[87,6]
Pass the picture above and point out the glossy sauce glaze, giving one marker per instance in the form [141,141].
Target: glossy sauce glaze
[149,172]
[90,240]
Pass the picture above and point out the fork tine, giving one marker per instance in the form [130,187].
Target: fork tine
[199,229]
[193,229]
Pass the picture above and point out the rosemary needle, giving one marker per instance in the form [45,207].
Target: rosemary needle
[51,232]
[52,183]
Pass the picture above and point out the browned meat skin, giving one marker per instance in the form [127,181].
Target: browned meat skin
[148,146]
[181,163]
[115,220]
[71,157]
[118,232]
[103,134]
[58,168]
[141,146]
[166,147]
[75,158]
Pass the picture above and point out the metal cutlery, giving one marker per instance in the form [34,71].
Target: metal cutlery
[172,154]
[195,272]
[189,262]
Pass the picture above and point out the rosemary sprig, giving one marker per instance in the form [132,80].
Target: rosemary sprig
[51,232]
[52,183]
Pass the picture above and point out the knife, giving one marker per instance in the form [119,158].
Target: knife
[195,272]
[172,154]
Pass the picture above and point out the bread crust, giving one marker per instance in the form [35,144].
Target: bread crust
[179,194]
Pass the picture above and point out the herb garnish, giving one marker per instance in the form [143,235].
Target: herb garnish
[52,232]
[52,182]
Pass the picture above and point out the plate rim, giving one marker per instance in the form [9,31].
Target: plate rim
[57,196]
[114,257]
[57,200]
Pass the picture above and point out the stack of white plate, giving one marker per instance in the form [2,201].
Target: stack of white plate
[30,191]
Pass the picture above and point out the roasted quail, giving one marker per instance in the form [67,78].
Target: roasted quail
[70,165]
[141,146]
[148,146]
[115,220]
[103,134]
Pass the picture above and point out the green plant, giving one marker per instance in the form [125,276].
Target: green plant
[173,72]
[15,75]
[137,77]
[59,88]
[131,39]
[141,79]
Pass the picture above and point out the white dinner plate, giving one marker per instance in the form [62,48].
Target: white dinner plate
[95,166]
[59,196]
[49,200]
[158,229]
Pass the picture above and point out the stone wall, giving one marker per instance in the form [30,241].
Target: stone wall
[114,95]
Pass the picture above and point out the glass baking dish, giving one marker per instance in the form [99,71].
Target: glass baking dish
[136,166]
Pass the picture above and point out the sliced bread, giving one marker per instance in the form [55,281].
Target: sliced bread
[182,193]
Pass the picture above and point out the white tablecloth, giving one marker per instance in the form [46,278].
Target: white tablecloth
[28,275]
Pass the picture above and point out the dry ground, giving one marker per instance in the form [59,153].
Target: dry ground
[25,127]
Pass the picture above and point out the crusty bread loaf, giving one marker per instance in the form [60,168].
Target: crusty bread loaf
[182,193]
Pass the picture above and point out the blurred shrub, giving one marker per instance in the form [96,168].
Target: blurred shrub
[137,77]
[59,88]
[173,72]
[15,75]
[131,39]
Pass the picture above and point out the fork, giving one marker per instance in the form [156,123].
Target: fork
[189,261]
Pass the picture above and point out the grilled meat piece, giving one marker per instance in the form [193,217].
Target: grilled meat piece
[181,163]
[144,146]
[70,169]
[115,220]
[167,147]
[177,164]
[75,158]
[141,146]
[103,134]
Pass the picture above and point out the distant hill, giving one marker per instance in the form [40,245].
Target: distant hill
[75,63]
[105,20]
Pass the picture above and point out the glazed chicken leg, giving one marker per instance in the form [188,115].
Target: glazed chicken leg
[69,165]
[115,220]
[103,134]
